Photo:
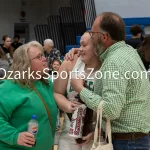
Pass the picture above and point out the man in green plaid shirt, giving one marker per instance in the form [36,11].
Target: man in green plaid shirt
[126,92]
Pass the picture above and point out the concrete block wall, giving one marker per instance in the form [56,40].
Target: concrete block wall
[38,10]
[125,8]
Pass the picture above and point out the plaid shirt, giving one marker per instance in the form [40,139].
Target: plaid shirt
[126,101]
[54,54]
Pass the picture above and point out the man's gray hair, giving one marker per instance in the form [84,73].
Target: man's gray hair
[49,42]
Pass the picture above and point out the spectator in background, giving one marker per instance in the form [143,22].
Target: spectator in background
[4,64]
[136,39]
[16,42]
[6,46]
[51,53]
[56,63]
[144,51]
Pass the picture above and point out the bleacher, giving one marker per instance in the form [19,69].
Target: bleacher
[69,22]
[128,22]
[66,28]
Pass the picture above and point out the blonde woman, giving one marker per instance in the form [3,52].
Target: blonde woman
[62,87]
[21,98]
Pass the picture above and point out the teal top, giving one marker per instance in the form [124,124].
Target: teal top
[17,105]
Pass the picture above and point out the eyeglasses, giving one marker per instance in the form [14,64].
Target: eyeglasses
[91,33]
[39,57]
[100,32]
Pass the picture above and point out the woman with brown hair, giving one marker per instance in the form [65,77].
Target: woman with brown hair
[6,46]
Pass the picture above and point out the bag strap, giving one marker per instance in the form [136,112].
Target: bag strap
[108,127]
[97,123]
[46,107]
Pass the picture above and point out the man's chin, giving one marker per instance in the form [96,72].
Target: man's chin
[100,49]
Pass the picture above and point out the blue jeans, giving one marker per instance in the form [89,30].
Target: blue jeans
[139,144]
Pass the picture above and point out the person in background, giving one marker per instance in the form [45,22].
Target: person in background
[4,64]
[64,92]
[56,63]
[6,46]
[22,97]
[16,42]
[144,51]
[137,38]
[51,53]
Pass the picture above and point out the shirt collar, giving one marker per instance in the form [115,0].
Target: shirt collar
[111,49]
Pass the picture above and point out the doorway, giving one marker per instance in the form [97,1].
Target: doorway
[22,29]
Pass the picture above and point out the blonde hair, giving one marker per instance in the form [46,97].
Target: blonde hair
[21,63]
[94,44]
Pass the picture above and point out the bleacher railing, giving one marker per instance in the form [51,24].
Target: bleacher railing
[78,9]
[42,32]
[90,12]
[55,27]
[68,28]
[71,22]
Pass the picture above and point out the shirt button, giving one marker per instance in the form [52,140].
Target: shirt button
[91,95]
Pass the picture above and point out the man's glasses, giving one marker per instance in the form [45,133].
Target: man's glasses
[100,32]
[39,57]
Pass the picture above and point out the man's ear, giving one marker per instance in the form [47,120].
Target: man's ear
[105,37]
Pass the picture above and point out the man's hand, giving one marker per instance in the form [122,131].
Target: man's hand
[71,53]
[77,84]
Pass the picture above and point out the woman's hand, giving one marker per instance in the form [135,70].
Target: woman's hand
[71,53]
[26,139]
[73,105]
[87,139]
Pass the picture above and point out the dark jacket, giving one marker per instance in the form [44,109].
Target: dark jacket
[135,43]
[146,64]
[54,54]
